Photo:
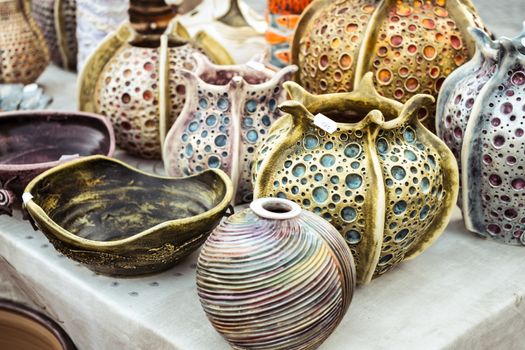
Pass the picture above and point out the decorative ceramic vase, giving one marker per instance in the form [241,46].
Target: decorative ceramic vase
[240,30]
[95,20]
[118,220]
[32,142]
[479,116]
[58,21]
[125,78]
[275,277]
[282,17]
[228,111]
[411,46]
[26,329]
[381,178]
[23,52]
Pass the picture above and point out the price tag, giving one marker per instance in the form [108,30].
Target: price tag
[325,123]
[258,66]
[26,197]
[68,157]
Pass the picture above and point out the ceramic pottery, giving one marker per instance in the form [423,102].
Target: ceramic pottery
[125,78]
[411,46]
[25,328]
[232,23]
[381,178]
[19,97]
[23,54]
[228,111]
[95,20]
[282,19]
[58,21]
[32,142]
[275,277]
[118,220]
[480,117]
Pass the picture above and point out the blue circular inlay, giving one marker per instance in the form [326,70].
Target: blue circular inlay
[203,103]
[189,150]
[353,150]
[410,155]
[251,106]
[353,237]
[223,104]
[298,170]
[184,137]
[425,185]
[432,161]
[398,172]
[318,177]
[193,126]
[424,212]
[348,214]
[329,145]
[400,207]
[211,120]
[204,133]
[288,164]
[207,148]
[320,194]
[272,104]
[214,162]
[295,190]
[401,235]
[248,122]
[334,180]
[410,135]
[354,181]
[327,160]
[252,135]
[220,140]
[266,120]
[310,141]
[382,145]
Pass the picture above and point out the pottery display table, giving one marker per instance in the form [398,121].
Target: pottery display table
[463,293]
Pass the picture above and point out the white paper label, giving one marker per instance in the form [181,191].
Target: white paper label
[256,65]
[325,123]
[68,157]
[26,197]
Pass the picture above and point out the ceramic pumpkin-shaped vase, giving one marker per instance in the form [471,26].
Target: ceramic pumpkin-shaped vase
[480,117]
[380,177]
[23,52]
[130,70]
[228,111]
[411,46]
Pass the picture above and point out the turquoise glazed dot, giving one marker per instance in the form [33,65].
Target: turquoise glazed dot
[189,150]
[401,235]
[223,104]
[220,140]
[214,162]
[400,207]
[354,181]
[266,120]
[348,214]
[327,160]
[251,106]
[203,103]
[211,120]
[410,135]
[193,126]
[382,146]
[353,237]
[352,150]
[398,173]
[298,170]
[410,155]
[320,194]
[310,141]
[252,136]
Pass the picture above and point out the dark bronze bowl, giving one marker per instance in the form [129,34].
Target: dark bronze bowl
[121,221]
[22,328]
[34,141]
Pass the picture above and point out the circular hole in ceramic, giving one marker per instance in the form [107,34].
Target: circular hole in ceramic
[275,208]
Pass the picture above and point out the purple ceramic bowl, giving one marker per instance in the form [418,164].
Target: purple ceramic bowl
[34,141]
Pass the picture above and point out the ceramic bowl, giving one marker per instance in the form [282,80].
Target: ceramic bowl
[32,142]
[24,328]
[120,221]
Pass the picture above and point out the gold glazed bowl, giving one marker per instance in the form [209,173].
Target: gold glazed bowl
[118,220]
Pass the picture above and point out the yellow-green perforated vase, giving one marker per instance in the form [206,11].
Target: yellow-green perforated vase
[381,178]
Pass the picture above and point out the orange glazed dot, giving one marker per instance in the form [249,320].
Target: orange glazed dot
[352,27]
[384,76]
[411,84]
[396,40]
[428,23]
[440,12]
[455,41]
[403,10]
[368,9]
[345,61]
[412,49]
[429,52]
[434,72]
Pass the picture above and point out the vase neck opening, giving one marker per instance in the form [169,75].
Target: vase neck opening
[152,41]
[275,208]
[223,77]
[352,114]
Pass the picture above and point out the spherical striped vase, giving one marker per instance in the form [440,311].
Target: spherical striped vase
[275,277]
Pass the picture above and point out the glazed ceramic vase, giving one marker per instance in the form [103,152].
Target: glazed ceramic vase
[23,52]
[95,20]
[275,277]
[411,46]
[480,117]
[118,220]
[58,21]
[125,78]
[236,26]
[228,111]
[282,18]
[33,142]
[371,169]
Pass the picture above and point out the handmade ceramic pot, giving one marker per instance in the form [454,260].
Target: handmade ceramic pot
[32,142]
[228,111]
[23,54]
[480,118]
[381,178]
[27,329]
[118,220]
[275,276]
[128,91]
[95,20]
[282,19]
[236,26]
[58,21]
[411,46]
